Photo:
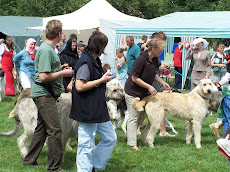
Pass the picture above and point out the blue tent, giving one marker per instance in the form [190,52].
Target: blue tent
[15,26]
[182,24]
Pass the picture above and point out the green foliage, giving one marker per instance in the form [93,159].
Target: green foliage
[142,8]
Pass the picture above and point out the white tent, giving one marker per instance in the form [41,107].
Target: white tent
[88,16]
[95,14]
[108,27]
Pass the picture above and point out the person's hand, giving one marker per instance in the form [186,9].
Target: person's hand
[165,66]
[206,77]
[67,72]
[220,65]
[106,77]
[0,66]
[166,86]
[152,91]
[216,83]
[65,65]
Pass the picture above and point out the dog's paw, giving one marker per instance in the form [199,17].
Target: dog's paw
[151,145]
[198,146]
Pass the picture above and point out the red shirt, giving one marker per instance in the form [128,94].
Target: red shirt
[178,57]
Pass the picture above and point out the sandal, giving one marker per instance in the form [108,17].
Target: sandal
[166,134]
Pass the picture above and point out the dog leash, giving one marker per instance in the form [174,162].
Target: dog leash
[174,71]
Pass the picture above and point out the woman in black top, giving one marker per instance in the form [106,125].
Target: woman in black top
[68,58]
[139,84]
[90,109]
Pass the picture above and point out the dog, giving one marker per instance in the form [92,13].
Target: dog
[117,112]
[114,90]
[26,112]
[191,107]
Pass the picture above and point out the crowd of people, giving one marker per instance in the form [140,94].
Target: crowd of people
[83,73]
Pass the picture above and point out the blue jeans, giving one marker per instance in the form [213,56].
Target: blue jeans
[123,81]
[89,156]
[226,108]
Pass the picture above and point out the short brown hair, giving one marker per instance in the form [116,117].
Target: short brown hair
[144,37]
[160,35]
[105,67]
[97,43]
[53,27]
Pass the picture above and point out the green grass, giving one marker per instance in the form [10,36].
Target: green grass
[170,154]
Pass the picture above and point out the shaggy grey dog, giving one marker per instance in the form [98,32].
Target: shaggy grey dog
[25,112]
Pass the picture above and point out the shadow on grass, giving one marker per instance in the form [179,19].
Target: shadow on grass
[8,98]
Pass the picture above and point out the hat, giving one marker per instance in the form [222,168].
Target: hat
[198,40]
[81,44]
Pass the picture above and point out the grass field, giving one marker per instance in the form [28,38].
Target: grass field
[170,154]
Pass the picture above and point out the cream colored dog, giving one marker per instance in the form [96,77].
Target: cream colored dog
[191,107]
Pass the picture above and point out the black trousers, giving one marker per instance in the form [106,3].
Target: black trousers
[48,125]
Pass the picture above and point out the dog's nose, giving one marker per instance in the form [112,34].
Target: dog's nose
[209,91]
[122,96]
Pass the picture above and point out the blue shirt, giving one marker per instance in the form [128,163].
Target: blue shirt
[132,53]
[24,63]
[63,45]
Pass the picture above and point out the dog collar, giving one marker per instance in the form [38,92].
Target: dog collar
[202,96]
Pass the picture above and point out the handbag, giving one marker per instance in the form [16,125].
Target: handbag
[224,144]
[2,73]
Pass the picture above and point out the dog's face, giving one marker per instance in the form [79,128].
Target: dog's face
[114,90]
[206,86]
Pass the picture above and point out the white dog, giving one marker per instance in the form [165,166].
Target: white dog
[191,107]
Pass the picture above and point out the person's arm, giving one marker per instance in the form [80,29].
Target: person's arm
[18,58]
[162,82]
[2,49]
[209,68]
[116,61]
[189,54]
[82,85]
[137,52]
[216,65]
[48,76]
[143,84]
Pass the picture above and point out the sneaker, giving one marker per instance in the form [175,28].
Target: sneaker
[215,130]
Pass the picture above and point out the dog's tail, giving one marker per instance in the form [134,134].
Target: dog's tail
[13,132]
[138,105]
[17,128]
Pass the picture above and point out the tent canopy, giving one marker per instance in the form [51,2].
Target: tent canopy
[15,26]
[178,24]
[89,16]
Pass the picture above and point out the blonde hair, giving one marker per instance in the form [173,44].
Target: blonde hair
[156,43]
[221,45]
[53,27]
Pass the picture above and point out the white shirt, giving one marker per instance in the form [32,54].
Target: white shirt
[226,78]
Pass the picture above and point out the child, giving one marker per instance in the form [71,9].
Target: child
[121,65]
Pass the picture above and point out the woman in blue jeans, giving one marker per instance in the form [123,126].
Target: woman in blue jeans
[90,109]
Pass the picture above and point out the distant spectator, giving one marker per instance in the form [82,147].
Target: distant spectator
[142,44]
[121,66]
[178,65]
[132,53]
[218,63]
[1,41]
[214,49]
[7,52]
[107,67]
[64,41]
[69,58]
[24,61]
[81,46]
[73,36]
